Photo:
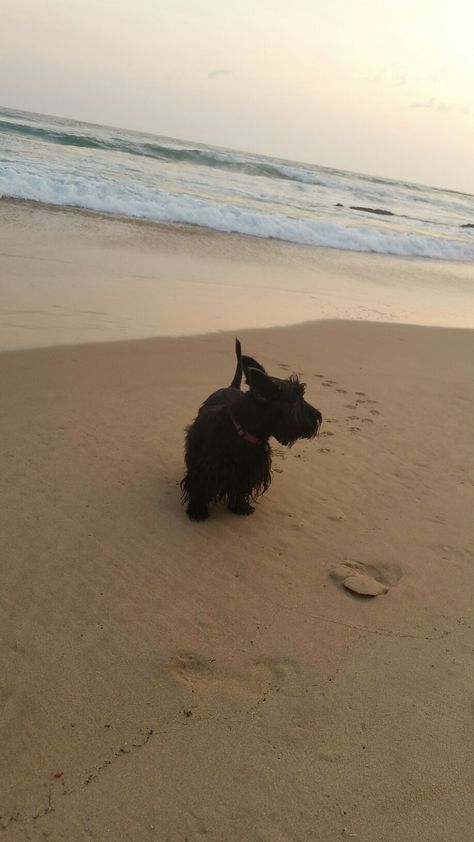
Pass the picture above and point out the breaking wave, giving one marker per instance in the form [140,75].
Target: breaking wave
[139,201]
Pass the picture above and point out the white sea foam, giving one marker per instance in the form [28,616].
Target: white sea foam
[64,162]
[40,182]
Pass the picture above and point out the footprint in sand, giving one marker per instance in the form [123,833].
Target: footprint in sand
[327,433]
[354,429]
[352,418]
[195,827]
[324,450]
[360,393]
[336,516]
[367,420]
[330,420]
[366,579]
[351,406]
[189,668]
[273,673]
[374,412]
[342,391]
[268,674]
[319,375]
[327,383]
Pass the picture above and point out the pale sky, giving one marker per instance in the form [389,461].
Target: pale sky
[384,87]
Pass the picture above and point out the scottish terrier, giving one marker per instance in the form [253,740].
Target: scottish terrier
[227,452]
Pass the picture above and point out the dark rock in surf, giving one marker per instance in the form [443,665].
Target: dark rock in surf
[372,210]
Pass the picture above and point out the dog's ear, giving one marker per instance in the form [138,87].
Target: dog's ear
[248,363]
[261,385]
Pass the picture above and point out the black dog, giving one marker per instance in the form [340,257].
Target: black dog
[228,456]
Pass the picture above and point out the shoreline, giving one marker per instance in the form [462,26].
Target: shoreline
[73,277]
[188,228]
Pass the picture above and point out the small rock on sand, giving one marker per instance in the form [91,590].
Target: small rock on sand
[353,576]
[362,584]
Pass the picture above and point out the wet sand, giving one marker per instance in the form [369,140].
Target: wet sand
[69,277]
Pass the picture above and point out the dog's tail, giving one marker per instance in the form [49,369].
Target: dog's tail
[238,371]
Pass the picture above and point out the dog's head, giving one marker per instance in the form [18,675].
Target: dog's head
[289,417]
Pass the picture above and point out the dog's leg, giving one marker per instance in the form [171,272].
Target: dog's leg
[239,504]
[195,495]
[197,507]
[197,510]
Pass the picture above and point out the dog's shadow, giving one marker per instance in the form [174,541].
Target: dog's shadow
[159,498]
[157,504]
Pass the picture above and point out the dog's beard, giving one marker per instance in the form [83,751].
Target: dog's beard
[301,422]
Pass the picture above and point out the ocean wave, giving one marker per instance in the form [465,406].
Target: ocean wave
[148,146]
[138,200]
[346,185]
[151,149]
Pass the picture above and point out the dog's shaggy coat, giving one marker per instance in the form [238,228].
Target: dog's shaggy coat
[227,452]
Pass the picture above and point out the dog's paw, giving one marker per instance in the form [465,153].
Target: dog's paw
[241,508]
[197,514]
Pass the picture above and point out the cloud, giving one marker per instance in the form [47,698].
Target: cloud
[374,77]
[426,103]
[394,74]
[442,107]
[219,73]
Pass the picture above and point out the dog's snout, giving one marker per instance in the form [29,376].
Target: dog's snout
[313,419]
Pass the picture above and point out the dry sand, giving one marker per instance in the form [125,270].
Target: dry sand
[168,681]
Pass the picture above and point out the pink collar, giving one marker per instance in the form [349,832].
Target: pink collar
[243,433]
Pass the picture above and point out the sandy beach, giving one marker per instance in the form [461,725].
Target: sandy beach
[72,277]
[165,680]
